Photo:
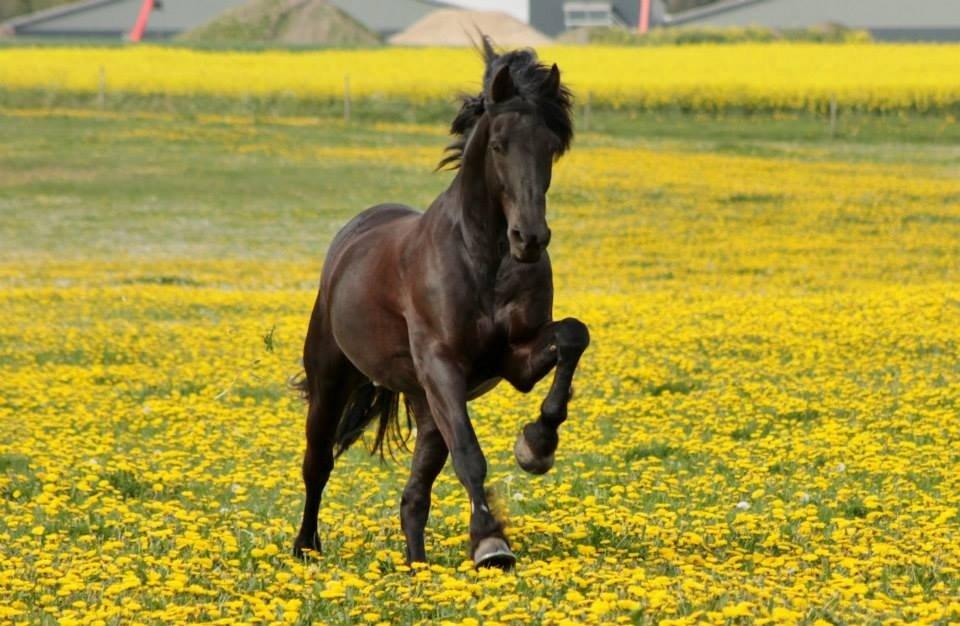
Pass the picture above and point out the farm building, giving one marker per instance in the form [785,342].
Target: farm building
[113,19]
[889,20]
[553,17]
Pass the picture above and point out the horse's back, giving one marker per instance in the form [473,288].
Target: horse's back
[368,220]
[366,231]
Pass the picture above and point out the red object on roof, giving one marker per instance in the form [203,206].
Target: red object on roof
[141,24]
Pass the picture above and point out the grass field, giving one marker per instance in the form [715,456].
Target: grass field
[765,429]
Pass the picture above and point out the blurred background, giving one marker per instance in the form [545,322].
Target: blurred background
[428,22]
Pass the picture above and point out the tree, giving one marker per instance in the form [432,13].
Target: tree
[13,8]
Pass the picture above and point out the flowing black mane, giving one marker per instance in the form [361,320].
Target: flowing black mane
[530,77]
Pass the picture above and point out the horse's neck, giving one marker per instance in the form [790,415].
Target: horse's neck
[476,210]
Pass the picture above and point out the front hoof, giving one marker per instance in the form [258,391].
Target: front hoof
[494,552]
[301,544]
[528,460]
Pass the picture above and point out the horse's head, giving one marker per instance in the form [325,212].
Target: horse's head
[524,123]
[521,150]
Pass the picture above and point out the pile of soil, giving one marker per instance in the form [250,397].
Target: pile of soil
[454,27]
[290,22]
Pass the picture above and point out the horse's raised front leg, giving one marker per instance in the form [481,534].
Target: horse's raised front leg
[445,384]
[429,456]
[561,344]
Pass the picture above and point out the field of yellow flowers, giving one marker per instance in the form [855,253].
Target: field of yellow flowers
[783,76]
[765,430]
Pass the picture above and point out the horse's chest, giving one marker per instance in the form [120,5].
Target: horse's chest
[485,329]
[487,337]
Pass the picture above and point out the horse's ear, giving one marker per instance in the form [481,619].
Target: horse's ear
[551,85]
[489,54]
[502,88]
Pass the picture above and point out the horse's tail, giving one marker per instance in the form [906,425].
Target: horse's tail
[367,403]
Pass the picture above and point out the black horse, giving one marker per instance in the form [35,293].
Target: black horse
[440,306]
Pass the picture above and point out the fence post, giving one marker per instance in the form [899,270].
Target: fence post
[102,90]
[833,116]
[346,98]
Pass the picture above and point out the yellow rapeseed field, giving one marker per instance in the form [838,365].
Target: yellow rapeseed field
[783,76]
[765,429]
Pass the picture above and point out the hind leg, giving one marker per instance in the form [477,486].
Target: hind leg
[429,457]
[329,377]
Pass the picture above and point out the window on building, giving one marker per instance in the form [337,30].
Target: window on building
[588,14]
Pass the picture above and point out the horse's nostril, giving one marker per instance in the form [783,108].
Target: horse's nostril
[516,235]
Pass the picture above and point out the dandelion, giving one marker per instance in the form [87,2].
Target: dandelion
[754,319]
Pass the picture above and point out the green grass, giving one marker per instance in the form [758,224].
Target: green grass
[175,186]
[188,190]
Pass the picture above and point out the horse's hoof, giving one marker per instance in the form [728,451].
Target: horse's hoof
[301,544]
[529,461]
[493,552]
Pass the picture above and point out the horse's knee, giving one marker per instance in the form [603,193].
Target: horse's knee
[571,337]
[414,503]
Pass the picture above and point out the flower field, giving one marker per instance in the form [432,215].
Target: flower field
[765,429]
[788,76]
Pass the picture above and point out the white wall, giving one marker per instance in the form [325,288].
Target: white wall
[518,8]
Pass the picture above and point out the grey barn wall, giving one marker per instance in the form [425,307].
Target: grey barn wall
[886,19]
[547,15]
[116,18]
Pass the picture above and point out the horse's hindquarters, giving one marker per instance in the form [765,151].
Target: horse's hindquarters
[364,293]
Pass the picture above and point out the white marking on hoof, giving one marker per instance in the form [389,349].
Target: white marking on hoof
[529,461]
[493,552]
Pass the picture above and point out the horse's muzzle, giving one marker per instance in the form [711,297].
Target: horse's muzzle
[527,246]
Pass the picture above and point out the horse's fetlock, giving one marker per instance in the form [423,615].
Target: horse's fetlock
[572,338]
[306,542]
[484,525]
[553,412]
[543,440]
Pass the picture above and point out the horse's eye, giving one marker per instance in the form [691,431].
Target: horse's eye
[498,147]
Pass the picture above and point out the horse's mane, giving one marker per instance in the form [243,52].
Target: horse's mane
[529,78]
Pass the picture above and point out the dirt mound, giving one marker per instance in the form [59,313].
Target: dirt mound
[297,22]
[453,27]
